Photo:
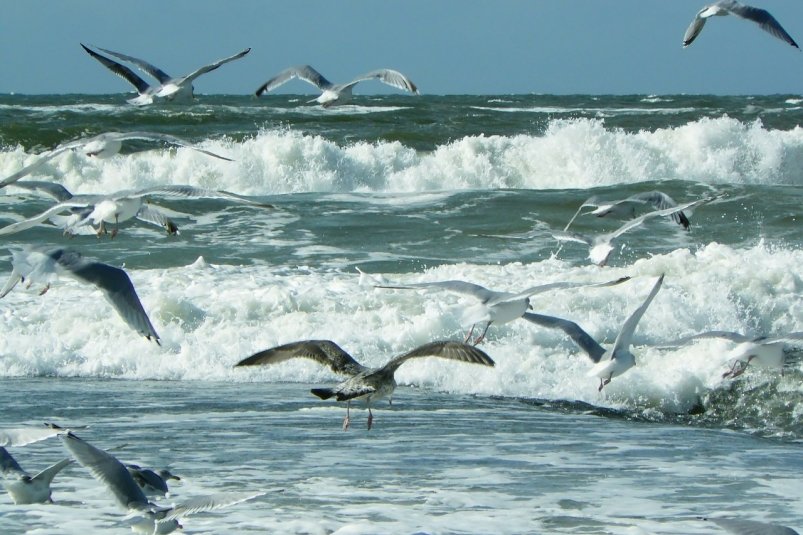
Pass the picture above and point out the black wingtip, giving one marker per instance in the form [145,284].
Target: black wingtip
[323,393]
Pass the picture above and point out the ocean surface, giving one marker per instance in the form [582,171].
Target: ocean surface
[406,190]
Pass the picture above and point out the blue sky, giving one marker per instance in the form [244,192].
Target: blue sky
[444,46]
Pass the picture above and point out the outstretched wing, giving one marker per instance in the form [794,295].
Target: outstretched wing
[763,18]
[694,29]
[625,336]
[574,331]
[389,77]
[35,220]
[460,287]
[154,71]
[302,72]
[120,70]
[191,192]
[212,66]
[445,350]
[324,352]
[154,136]
[661,201]
[56,191]
[9,467]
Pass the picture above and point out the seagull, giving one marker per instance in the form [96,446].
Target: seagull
[22,436]
[751,527]
[627,208]
[765,351]
[335,94]
[154,518]
[118,206]
[24,488]
[103,146]
[37,264]
[151,483]
[370,384]
[607,363]
[169,88]
[761,17]
[493,306]
[600,247]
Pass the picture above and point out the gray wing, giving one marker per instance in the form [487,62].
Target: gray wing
[445,350]
[625,336]
[116,286]
[389,77]
[209,503]
[120,70]
[154,71]
[50,472]
[649,215]
[694,29]
[751,527]
[502,298]
[153,136]
[35,220]
[150,213]
[460,287]
[661,201]
[763,18]
[302,72]
[26,435]
[324,352]
[591,201]
[727,335]
[212,66]
[107,469]
[574,331]
[28,169]
[794,339]
[51,189]
[191,192]
[145,477]
[9,466]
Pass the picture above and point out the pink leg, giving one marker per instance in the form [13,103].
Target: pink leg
[468,336]
[482,336]
[347,420]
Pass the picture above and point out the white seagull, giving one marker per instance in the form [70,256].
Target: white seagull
[40,264]
[763,351]
[102,146]
[493,306]
[600,247]
[761,17]
[370,384]
[335,94]
[627,208]
[607,363]
[169,88]
[152,518]
[24,488]
[117,207]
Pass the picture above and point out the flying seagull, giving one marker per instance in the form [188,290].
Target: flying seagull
[600,246]
[117,207]
[157,519]
[370,384]
[103,145]
[335,94]
[40,264]
[24,488]
[764,351]
[169,88]
[628,207]
[607,363]
[493,306]
[761,17]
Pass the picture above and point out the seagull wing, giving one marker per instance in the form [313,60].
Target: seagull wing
[694,29]
[9,466]
[661,201]
[35,220]
[50,472]
[25,435]
[727,335]
[302,72]
[28,169]
[389,77]
[625,336]
[120,70]
[191,192]
[154,71]
[153,136]
[763,18]
[150,213]
[212,66]
[633,223]
[324,352]
[502,298]
[107,469]
[577,334]
[116,286]
[209,503]
[454,286]
[445,350]
[57,191]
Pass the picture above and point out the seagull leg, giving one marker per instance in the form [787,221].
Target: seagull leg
[370,416]
[603,382]
[482,336]
[116,227]
[347,420]
[45,289]
[470,332]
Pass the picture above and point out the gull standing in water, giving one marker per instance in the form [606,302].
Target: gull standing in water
[169,88]
[763,351]
[119,206]
[102,146]
[24,488]
[370,384]
[335,94]
[607,363]
[627,208]
[153,518]
[38,264]
[761,17]
[494,307]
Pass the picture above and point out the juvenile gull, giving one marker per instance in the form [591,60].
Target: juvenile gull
[335,94]
[41,264]
[103,145]
[607,363]
[152,518]
[24,488]
[119,206]
[761,17]
[169,88]
[151,482]
[365,383]
[627,208]
[493,306]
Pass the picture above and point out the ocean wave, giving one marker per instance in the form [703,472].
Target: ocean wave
[571,153]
